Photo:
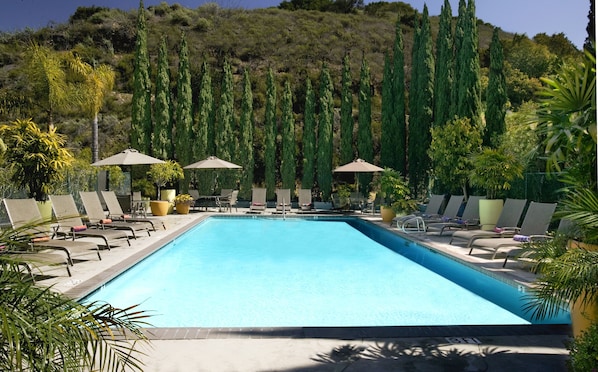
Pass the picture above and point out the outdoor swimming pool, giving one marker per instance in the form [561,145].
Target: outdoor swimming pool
[270,272]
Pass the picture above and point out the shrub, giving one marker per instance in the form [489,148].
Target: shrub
[583,351]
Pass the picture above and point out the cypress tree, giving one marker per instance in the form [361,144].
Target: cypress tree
[309,136]
[183,118]
[414,105]
[398,121]
[496,94]
[141,115]
[388,133]
[469,103]
[245,153]
[346,143]
[365,144]
[270,131]
[419,129]
[325,119]
[203,128]
[459,35]
[287,166]
[443,80]
[225,121]
[162,137]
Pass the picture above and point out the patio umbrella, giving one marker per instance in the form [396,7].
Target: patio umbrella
[213,162]
[128,157]
[358,166]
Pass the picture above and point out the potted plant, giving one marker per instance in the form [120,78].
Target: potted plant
[161,174]
[182,203]
[36,159]
[493,170]
[395,193]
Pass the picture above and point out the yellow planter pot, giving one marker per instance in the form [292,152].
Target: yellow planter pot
[45,209]
[582,316]
[490,210]
[387,213]
[182,208]
[159,207]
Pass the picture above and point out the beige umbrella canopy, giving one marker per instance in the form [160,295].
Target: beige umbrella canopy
[212,162]
[128,157]
[358,166]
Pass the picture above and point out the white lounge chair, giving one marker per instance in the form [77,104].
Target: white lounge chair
[258,200]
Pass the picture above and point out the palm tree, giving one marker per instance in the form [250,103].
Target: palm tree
[97,82]
[568,122]
[43,330]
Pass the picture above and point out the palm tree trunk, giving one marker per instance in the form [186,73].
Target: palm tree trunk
[94,140]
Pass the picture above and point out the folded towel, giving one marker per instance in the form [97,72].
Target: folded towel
[105,221]
[78,228]
[498,230]
[125,216]
[521,238]
[257,204]
[40,239]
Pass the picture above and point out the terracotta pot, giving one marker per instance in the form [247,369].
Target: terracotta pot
[182,208]
[387,213]
[490,210]
[582,316]
[159,207]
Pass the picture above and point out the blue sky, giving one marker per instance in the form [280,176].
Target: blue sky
[521,16]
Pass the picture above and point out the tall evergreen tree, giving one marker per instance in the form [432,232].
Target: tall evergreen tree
[162,136]
[459,35]
[270,131]
[184,117]
[469,102]
[204,124]
[443,80]
[141,114]
[365,143]
[309,136]
[388,133]
[496,94]
[325,119]
[245,154]
[225,122]
[203,127]
[419,126]
[398,121]
[288,164]
[346,143]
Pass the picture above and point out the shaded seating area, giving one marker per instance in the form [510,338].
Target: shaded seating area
[230,201]
[30,228]
[506,225]
[468,220]
[72,226]
[535,225]
[116,213]
[96,215]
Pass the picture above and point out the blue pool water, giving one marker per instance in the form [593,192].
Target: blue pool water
[253,272]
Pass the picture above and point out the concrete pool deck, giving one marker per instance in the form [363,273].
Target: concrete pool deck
[535,348]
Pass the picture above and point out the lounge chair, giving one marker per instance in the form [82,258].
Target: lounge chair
[283,200]
[565,230]
[258,200]
[451,212]
[96,215]
[535,224]
[506,225]
[116,213]
[305,204]
[26,219]
[229,201]
[29,260]
[469,219]
[432,209]
[71,225]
